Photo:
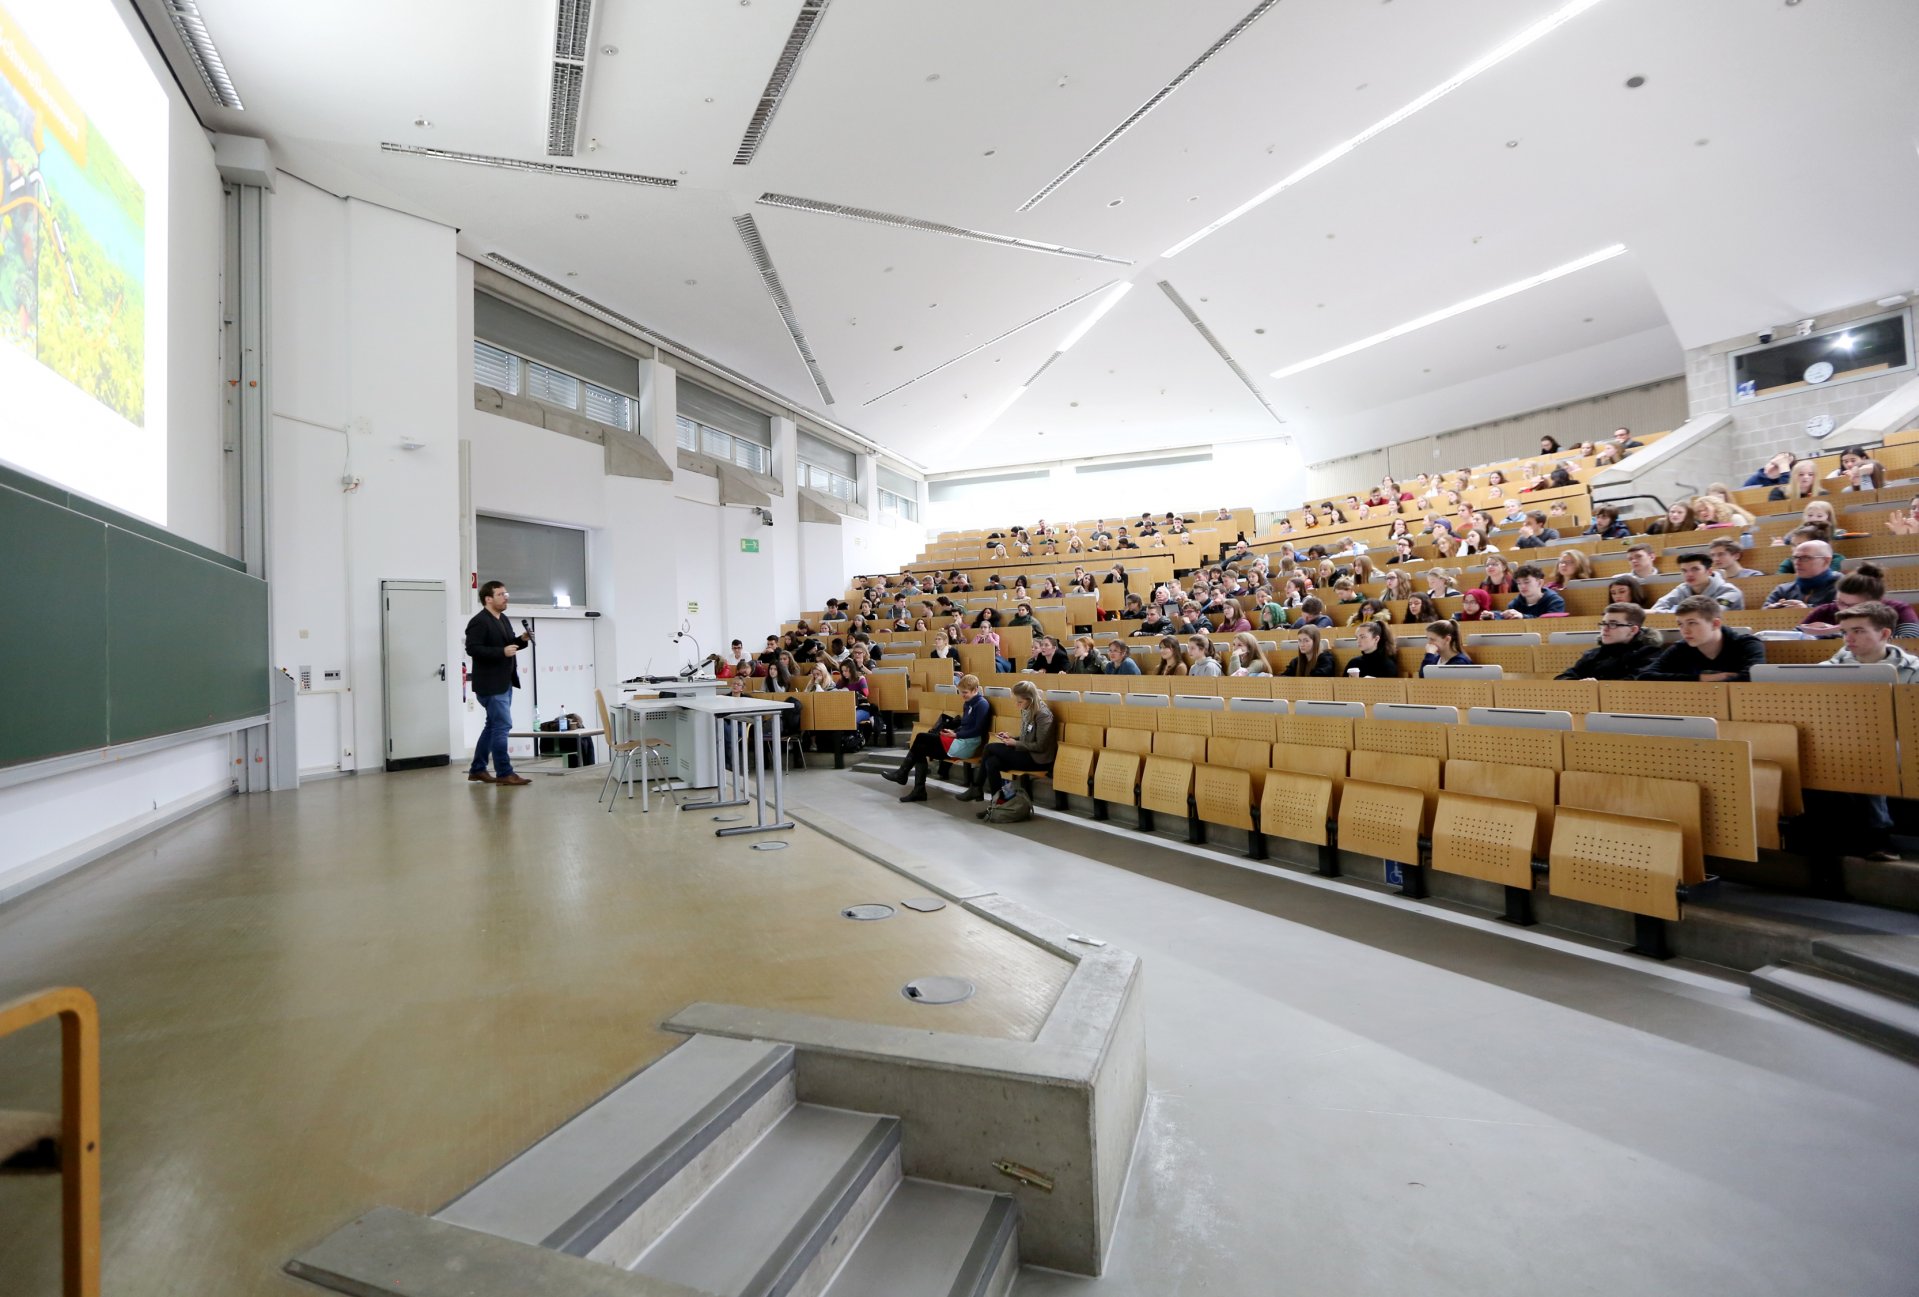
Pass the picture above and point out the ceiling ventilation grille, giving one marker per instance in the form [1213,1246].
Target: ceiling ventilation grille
[1160,96]
[1044,366]
[520,164]
[569,76]
[185,15]
[1192,318]
[792,204]
[974,351]
[812,13]
[763,262]
[1162,461]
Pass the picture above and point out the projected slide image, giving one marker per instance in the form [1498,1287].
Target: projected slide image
[72,238]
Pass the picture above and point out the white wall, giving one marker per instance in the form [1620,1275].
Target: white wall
[365,325]
[1259,475]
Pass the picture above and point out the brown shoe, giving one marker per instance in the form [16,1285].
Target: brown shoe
[512,779]
[478,777]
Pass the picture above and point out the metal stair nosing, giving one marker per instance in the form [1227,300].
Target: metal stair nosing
[1865,1013]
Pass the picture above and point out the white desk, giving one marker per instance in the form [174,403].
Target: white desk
[722,725]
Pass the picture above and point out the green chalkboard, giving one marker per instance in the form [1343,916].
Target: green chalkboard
[120,630]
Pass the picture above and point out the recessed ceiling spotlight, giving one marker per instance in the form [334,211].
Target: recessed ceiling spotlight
[1512,144]
[1361,86]
[709,99]
[1259,330]
[1633,83]
[1791,3]
[932,76]
[1115,202]
[423,123]
[691,282]
[931,305]
[609,50]
[572,274]
[1587,320]
[1700,144]
[899,346]
[1499,346]
[1332,236]
[1193,199]
[682,173]
[1074,404]
[989,153]
[580,216]
[1499,54]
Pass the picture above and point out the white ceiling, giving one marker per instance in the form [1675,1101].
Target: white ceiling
[1801,199]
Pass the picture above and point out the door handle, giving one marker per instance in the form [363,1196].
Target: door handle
[442,670]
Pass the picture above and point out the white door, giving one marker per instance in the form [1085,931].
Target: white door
[413,631]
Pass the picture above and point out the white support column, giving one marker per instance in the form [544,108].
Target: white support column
[659,408]
[869,484]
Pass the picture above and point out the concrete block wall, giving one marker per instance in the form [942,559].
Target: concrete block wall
[1762,428]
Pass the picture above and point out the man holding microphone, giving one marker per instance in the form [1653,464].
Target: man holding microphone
[492,645]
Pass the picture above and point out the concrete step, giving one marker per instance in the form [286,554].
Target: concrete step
[1885,963]
[935,1240]
[1866,1014]
[659,1138]
[788,1212]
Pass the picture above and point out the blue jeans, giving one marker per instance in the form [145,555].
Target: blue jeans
[499,719]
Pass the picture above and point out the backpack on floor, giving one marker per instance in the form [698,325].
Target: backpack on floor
[1014,810]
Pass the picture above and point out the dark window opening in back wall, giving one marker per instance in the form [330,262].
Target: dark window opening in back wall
[538,562]
[1863,349]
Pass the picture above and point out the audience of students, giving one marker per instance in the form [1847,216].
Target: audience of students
[1709,650]
[1698,578]
[1625,649]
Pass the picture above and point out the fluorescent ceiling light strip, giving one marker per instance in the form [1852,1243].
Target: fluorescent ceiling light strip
[1539,30]
[540,168]
[1159,97]
[792,204]
[185,15]
[1212,340]
[805,26]
[1099,312]
[1459,308]
[749,233]
[974,351]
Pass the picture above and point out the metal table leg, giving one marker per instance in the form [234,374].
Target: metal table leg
[779,820]
[729,785]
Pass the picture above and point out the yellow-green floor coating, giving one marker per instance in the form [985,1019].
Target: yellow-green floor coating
[376,990]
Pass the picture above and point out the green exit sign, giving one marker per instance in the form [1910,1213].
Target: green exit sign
[749,546]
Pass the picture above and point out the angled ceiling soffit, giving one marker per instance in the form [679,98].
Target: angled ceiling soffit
[818,507]
[630,455]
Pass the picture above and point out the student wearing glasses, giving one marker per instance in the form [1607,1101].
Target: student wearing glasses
[1625,649]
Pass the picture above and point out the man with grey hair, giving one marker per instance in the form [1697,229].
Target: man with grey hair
[1813,582]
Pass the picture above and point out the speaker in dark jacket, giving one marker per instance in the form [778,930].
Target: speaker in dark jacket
[487,636]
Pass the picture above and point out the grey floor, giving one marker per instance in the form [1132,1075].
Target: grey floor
[1353,1097]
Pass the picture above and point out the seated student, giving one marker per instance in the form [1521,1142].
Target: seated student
[1315,656]
[1001,663]
[1444,647]
[1864,584]
[1606,523]
[1083,659]
[1157,621]
[1534,533]
[1775,471]
[1312,613]
[1499,577]
[1199,657]
[1622,438]
[1868,628]
[1572,565]
[1135,609]
[1368,610]
[1534,599]
[1709,651]
[1728,559]
[987,618]
[852,676]
[1022,616]
[1626,647]
[1477,606]
[993,582]
[1245,658]
[769,658]
[962,739]
[1377,659]
[1048,657]
[946,641]
[1032,748]
[1116,575]
[1119,662]
[1815,581]
[1679,517]
[1171,661]
[1439,582]
[1699,579]
[1858,470]
[1420,610]
[1642,561]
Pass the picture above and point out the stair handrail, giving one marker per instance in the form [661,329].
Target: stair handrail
[79,1125]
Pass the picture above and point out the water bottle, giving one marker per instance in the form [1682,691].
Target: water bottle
[562,716]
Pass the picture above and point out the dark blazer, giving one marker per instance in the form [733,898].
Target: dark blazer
[486,639]
[1738,654]
[1616,661]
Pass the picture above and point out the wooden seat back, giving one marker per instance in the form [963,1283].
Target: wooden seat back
[1528,785]
[1621,862]
[1672,800]
[1378,819]
[1224,794]
[1485,838]
[1166,784]
[1296,806]
[1116,776]
[1073,769]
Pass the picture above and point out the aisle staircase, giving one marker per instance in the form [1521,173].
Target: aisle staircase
[703,1174]
[1864,986]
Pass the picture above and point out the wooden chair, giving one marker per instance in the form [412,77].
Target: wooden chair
[1166,788]
[621,755]
[1299,807]
[1491,840]
[1381,819]
[1072,773]
[1115,779]
[1621,862]
[69,1143]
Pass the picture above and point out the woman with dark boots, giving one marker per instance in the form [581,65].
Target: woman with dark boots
[976,715]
